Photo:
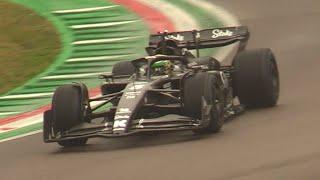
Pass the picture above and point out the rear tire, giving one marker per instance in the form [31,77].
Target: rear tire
[256,78]
[203,86]
[68,110]
[123,68]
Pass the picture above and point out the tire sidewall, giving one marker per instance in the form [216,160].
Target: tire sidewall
[254,77]
[68,108]
[203,86]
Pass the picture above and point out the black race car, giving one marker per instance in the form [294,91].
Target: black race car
[169,90]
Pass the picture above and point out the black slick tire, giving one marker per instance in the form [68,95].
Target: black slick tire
[123,68]
[68,110]
[197,88]
[256,78]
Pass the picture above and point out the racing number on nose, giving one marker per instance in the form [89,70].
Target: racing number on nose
[120,123]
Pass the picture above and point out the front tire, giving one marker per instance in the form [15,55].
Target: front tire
[197,89]
[68,110]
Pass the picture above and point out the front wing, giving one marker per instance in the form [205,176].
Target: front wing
[171,122]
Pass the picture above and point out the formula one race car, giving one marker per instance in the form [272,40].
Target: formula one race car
[169,90]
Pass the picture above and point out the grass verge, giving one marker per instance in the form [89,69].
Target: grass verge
[28,45]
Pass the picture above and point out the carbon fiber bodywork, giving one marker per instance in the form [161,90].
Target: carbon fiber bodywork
[146,102]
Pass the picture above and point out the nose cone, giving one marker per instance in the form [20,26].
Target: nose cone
[131,100]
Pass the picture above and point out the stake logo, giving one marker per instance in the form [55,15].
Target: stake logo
[178,37]
[220,33]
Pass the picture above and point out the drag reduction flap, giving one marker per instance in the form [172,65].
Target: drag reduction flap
[207,38]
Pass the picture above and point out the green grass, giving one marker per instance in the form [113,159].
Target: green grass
[28,45]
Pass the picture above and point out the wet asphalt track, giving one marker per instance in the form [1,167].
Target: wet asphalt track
[279,143]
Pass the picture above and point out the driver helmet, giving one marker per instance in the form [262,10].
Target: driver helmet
[164,67]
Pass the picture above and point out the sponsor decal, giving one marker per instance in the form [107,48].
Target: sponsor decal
[132,95]
[136,87]
[118,129]
[141,82]
[140,123]
[220,33]
[121,117]
[120,124]
[198,35]
[178,37]
[123,111]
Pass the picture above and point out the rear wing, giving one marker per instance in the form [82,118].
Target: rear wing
[207,38]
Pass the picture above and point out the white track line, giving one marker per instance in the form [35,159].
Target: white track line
[180,18]
[8,113]
[83,10]
[26,96]
[23,123]
[96,58]
[222,14]
[32,120]
[20,136]
[29,121]
[226,53]
[101,41]
[99,25]
[71,76]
